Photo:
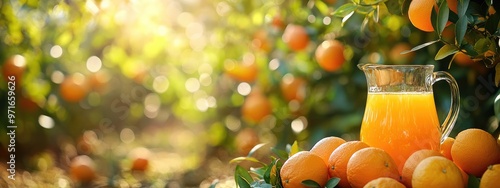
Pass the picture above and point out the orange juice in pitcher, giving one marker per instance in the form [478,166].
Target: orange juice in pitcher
[400,115]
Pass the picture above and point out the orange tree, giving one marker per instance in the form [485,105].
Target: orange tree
[188,77]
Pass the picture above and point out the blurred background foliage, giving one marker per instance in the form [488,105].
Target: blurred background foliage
[197,83]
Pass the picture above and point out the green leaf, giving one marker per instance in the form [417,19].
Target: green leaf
[462,7]
[482,45]
[394,6]
[269,171]
[460,30]
[473,182]
[332,182]
[347,17]
[497,99]
[419,47]
[260,172]
[345,10]
[311,183]
[442,17]
[280,153]
[470,50]
[255,148]
[364,9]
[434,19]
[376,13]
[260,184]
[239,159]
[242,177]
[445,51]
[322,7]
[491,24]
[294,149]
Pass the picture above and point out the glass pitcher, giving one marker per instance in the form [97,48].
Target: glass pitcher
[400,115]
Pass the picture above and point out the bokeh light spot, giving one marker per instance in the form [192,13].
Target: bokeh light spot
[56,51]
[46,121]
[244,88]
[94,64]
[161,84]
[205,79]
[127,135]
[57,77]
[274,64]
[299,124]
[192,85]
[152,102]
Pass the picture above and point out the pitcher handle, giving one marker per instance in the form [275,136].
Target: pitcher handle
[452,116]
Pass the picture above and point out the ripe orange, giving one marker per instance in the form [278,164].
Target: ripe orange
[74,88]
[491,177]
[474,150]
[437,171]
[261,40]
[337,163]
[140,159]
[245,140]
[82,169]
[368,164]
[256,106]
[445,148]
[304,165]
[326,146]
[293,88]
[296,37]
[412,162]
[384,182]
[244,72]
[330,55]
[419,13]
[278,22]
[14,66]
[463,59]
[395,54]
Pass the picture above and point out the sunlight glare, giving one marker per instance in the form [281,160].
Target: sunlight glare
[161,84]
[46,121]
[94,64]
[56,51]
[192,85]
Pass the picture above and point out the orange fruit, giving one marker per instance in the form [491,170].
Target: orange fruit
[82,168]
[140,159]
[256,106]
[368,164]
[395,54]
[74,88]
[490,177]
[419,13]
[278,22]
[445,148]
[304,165]
[463,59]
[293,88]
[465,176]
[330,55]
[261,40]
[326,146]
[337,163]
[437,171]
[245,140]
[412,162]
[384,182]
[246,71]
[295,37]
[14,66]
[474,150]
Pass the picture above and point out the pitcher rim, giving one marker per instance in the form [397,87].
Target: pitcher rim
[370,65]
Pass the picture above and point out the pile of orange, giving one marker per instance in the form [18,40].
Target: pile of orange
[473,152]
